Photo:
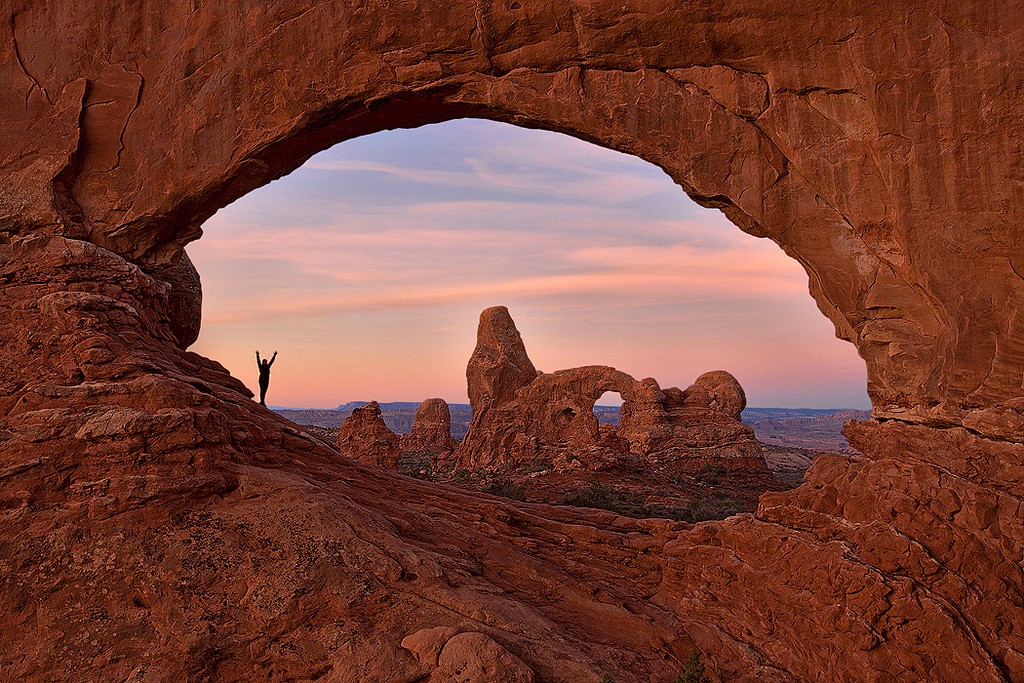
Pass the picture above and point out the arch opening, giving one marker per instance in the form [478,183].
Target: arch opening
[364,247]
[608,408]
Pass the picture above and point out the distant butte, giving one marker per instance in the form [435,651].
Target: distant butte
[161,526]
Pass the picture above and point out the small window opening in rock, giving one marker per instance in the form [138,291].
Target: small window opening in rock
[608,409]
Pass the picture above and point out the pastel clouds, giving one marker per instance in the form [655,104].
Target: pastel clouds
[367,268]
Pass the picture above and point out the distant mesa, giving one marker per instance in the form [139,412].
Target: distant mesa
[394,405]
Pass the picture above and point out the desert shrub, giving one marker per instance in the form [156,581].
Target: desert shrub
[707,508]
[422,466]
[463,476]
[506,488]
[593,495]
[711,473]
[693,670]
[598,495]
[534,465]
[607,678]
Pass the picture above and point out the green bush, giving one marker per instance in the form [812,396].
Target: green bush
[506,488]
[711,473]
[693,670]
[598,495]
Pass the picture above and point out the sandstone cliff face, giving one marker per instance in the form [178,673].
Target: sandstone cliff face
[364,436]
[161,526]
[551,415]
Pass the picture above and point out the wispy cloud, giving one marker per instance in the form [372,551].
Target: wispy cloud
[434,228]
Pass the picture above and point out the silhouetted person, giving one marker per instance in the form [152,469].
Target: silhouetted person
[264,366]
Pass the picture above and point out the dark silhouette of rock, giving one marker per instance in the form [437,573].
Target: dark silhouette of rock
[185,297]
[363,436]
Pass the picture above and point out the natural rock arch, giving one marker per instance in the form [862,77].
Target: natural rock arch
[878,147]
[136,138]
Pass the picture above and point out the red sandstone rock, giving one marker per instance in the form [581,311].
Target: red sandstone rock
[499,364]
[465,657]
[427,643]
[552,416]
[185,297]
[477,658]
[364,436]
[431,429]
[159,526]
[724,393]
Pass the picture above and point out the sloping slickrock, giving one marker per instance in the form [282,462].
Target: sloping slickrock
[143,493]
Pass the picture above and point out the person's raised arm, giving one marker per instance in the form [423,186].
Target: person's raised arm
[257,358]
[272,359]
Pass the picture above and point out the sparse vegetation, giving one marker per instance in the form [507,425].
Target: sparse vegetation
[693,670]
[422,466]
[711,473]
[461,476]
[506,488]
[718,506]
[607,678]
[598,495]
[534,465]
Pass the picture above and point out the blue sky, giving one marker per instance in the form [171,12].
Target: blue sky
[368,267]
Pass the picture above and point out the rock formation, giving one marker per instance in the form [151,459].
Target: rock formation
[364,436]
[160,526]
[431,429]
[499,365]
[552,414]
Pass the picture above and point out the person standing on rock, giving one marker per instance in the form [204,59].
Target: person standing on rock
[264,366]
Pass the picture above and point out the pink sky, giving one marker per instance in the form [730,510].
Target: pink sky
[367,269]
